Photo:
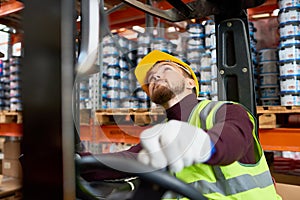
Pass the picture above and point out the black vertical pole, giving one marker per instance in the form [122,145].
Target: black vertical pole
[235,77]
[149,19]
[47,78]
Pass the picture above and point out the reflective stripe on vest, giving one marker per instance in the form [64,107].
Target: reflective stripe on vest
[232,186]
[235,185]
[234,181]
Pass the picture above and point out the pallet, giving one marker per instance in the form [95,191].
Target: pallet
[277,109]
[123,116]
[10,117]
[277,116]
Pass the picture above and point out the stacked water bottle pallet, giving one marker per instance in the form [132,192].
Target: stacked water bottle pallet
[10,117]
[201,54]
[10,84]
[289,52]
[119,58]
[120,88]
[255,59]
[268,82]
[277,116]
[122,116]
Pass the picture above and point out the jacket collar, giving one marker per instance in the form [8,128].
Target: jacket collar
[181,110]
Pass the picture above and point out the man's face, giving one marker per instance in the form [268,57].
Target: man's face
[165,80]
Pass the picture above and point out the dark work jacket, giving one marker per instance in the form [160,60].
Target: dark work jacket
[232,135]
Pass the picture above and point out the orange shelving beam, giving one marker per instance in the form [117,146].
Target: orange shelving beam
[112,133]
[11,129]
[267,7]
[276,139]
[280,139]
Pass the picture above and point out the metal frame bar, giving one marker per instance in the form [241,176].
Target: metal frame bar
[235,77]
[47,79]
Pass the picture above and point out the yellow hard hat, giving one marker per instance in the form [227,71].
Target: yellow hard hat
[153,57]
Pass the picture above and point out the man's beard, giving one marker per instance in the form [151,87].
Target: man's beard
[162,95]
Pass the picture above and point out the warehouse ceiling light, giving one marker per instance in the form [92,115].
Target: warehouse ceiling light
[155,32]
[114,31]
[275,12]
[9,7]
[138,29]
[122,29]
[129,34]
[2,26]
[263,15]
[7,29]
[172,29]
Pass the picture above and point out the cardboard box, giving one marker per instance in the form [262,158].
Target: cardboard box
[12,168]
[2,140]
[85,116]
[12,149]
[1,160]
[287,191]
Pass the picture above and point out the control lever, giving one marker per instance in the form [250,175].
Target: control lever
[90,36]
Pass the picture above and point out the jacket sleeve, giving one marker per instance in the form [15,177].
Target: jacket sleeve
[232,136]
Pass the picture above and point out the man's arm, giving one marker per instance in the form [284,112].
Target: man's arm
[232,135]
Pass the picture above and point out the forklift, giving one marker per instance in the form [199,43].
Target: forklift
[235,84]
[51,173]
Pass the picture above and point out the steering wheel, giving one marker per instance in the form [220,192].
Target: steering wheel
[153,183]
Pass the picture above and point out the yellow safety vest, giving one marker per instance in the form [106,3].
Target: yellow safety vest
[234,181]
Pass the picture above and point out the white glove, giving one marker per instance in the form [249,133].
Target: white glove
[175,144]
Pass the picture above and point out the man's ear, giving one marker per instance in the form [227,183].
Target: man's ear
[190,83]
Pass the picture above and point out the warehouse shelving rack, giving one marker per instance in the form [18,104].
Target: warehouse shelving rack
[127,18]
[48,128]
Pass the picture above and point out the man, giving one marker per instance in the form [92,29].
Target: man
[211,145]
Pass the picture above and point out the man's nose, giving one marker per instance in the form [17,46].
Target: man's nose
[156,77]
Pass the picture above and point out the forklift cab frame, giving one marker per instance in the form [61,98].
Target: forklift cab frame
[48,82]
[234,64]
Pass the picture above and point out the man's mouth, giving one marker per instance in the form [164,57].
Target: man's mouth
[159,84]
